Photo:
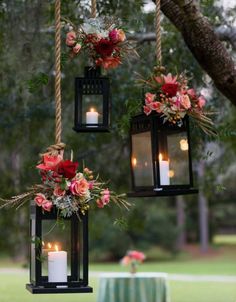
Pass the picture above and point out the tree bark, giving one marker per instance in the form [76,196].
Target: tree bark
[180,207]
[204,44]
[203,211]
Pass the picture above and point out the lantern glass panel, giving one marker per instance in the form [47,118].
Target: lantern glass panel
[141,159]
[174,158]
[92,109]
[53,238]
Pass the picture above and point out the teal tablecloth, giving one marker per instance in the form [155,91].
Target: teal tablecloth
[139,287]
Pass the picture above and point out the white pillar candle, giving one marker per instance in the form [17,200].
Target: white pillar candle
[57,266]
[164,171]
[92,117]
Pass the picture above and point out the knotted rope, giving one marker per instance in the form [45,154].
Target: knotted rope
[158,32]
[93,9]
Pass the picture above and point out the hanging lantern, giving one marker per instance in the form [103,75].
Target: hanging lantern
[160,157]
[92,98]
[58,256]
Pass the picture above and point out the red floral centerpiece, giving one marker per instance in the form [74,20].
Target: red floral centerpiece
[132,259]
[171,96]
[104,42]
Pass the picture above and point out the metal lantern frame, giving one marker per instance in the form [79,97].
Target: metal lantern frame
[92,84]
[79,254]
[155,125]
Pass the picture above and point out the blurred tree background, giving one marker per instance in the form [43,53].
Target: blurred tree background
[27,128]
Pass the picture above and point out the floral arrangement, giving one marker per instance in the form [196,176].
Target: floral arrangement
[105,42]
[69,190]
[132,259]
[172,97]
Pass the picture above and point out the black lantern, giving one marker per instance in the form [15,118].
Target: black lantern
[58,255]
[92,102]
[160,157]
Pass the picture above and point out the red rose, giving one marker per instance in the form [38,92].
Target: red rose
[170,89]
[67,168]
[105,47]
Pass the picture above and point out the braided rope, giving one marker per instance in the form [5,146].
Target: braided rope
[158,31]
[58,127]
[93,9]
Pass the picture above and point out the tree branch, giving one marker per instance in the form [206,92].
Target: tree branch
[204,44]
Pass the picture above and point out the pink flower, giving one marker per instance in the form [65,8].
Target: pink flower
[79,187]
[70,38]
[169,79]
[192,93]
[147,110]
[113,35]
[136,255]
[121,35]
[149,98]
[159,80]
[47,205]
[58,191]
[155,106]
[201,101]
[100,203]
[40,199]
[125,260]
[91,185]
[105,196]
[76,48]
[50,162]
[185,101]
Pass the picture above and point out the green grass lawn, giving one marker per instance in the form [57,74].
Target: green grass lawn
[218,262]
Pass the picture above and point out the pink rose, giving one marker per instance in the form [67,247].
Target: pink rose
[125,260]
[76,48]
[113,35]
[91,185]
[192,93]
[149,98]
[47,205]
[70,38]
[58,191]
[185,101]
[40,199]
[155,106]
[147,110]
[79,187]
[100,204]
[201,101]
[105,196]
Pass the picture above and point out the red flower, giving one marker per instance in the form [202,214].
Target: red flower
[105,47]
[170,89]
[67,168]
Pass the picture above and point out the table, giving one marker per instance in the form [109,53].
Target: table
[127,287]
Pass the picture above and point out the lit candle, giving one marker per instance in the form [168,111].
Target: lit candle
[57,266]
[92,117]
[164,171]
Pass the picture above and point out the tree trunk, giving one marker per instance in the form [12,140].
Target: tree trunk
[203,211]
[180,207]
[204,44]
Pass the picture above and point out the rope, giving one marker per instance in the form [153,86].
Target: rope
[58,127]
[93,9]
[158,31]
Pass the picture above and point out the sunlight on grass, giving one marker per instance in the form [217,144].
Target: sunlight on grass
[225,239]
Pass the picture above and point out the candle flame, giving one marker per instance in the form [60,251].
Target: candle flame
[134,161]
[160,157]
[56,248]
[92,110]
[43,244]
[49,245]
[183,144]
[171,173]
